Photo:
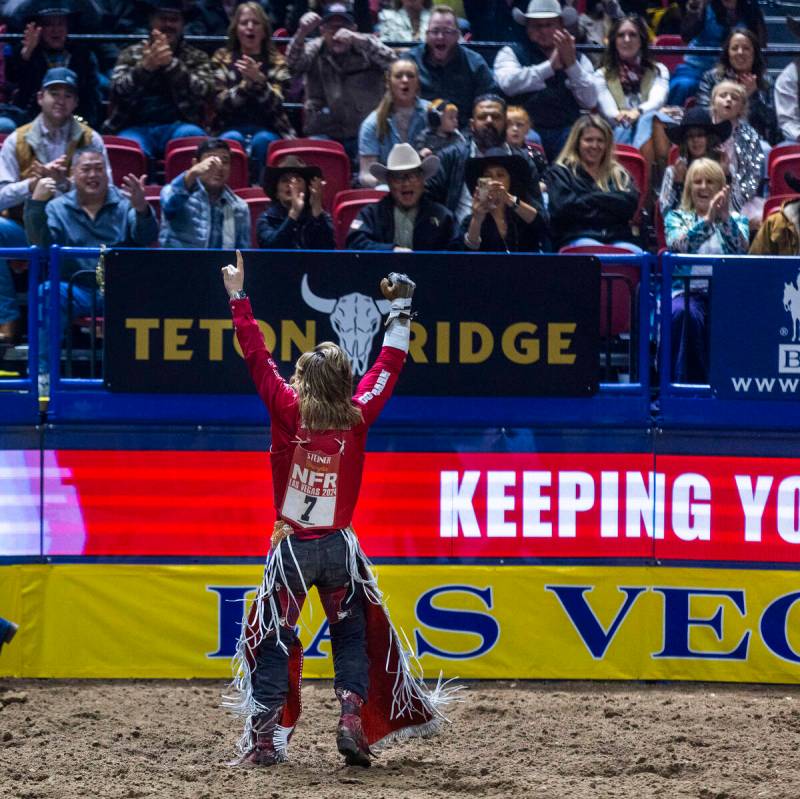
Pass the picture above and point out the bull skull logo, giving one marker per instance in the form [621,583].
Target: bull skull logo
[355,318]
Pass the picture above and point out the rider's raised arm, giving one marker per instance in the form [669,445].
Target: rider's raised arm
[275,392]
[375,388]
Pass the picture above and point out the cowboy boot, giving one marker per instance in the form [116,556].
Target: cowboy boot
[350,738]
[262,750]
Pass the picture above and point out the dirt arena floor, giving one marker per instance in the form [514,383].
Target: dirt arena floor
[124,739]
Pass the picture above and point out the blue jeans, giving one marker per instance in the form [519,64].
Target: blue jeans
[259,144]
[153,138]
[81,306]
[637,135]
[322,562]
[684,83]
[11,235]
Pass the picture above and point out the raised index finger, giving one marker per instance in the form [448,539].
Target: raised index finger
[239,261]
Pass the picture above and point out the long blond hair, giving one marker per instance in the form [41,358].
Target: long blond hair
[323,380]
[707,168]
[611,171]
[386,105]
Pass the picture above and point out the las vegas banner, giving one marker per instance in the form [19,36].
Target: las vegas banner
[537,622]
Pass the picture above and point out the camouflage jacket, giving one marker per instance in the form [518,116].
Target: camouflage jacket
[177,93]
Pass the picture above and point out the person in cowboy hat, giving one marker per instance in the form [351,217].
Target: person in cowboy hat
[406,219]
[295,220]
[159,87]
[45,46]
[697,136]
[503,218]
[546,75]
[787,107]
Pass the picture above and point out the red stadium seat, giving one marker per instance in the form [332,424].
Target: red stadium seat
[777,172]
[180,159]
[125,160]
[658,222]
[194,141]
[281,33]
[639,170]
[669,60]
[329,156]
[779,150]
[257,203]
[346,209]
[674,154]
[358,194]
[775,202]
[152,194]
[122,141]
[593,249]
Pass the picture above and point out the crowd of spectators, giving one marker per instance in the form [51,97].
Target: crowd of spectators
[510,148]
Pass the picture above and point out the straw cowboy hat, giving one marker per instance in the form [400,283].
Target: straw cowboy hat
[538,9]
[696,117]
[404,158]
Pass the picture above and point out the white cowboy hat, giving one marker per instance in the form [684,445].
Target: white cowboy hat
[538,9]
[404,158]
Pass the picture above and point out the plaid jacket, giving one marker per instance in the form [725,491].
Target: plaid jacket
[238,102]
[188,82]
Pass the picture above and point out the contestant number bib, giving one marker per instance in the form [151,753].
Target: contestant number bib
[310,499]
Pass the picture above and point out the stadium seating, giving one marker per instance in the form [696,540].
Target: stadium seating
[638,168]
[667,59]
[774,203]
[180,159]
[125,159]
[777,172]
[329,156]
[779,150]
[257,203]
[153,196]
[195,141]
[346,207]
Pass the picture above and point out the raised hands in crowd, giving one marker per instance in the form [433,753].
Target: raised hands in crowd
[133,188]
[157,52]
[31,37]
[298,197]
[565,53]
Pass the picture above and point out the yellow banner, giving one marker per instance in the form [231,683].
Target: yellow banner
[536,622]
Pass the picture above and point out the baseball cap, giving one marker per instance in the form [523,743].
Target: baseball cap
[338,10]
[60,75]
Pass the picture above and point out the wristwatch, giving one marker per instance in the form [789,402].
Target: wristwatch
[238,295]
[515,204]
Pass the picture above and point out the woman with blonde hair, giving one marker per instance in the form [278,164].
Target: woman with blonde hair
[705,224]
[250,78]
[743,152]
[592,198]
[401,116]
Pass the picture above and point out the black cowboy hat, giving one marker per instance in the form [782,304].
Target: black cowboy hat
[696,117]
[516,166]
[289,165]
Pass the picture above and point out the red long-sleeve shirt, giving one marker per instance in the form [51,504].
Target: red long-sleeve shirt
[283,405]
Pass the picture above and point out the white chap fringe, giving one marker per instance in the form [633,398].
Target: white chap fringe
[240,700]
[409,686]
